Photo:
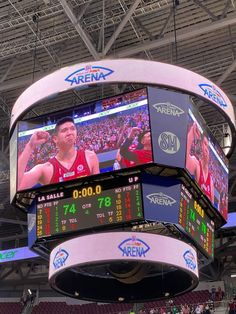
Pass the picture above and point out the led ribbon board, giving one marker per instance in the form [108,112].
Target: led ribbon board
[16,254]
[124,71]
[162,261]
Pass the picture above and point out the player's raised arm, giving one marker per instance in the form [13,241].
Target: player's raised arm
[93,162]
[124,149]
[27,179]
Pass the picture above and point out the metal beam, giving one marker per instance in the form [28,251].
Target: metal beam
[202,6]
[9,68]
[232,199]
[191,32]
[227,5]
[83,10]
[13,221]
[231,96]
[4,177]
[4,160]
[15,236]
[121,26]
[182,35]
[16,83]
[84,36]
[135,28]
[227,72]
[167,22]
[32,30]
[4,106]
[7,273]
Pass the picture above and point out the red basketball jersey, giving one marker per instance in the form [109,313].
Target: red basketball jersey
[205,184]
[79,169]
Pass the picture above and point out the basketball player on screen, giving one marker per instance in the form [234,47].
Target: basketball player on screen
[199,168]
[68,163]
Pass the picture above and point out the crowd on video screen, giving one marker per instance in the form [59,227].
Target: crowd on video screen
[205,167]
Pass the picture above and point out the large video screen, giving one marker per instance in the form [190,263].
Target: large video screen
[102,136]
[206,162]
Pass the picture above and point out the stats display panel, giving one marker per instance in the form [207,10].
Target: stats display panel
[169,201]
[207,164]
[193,219]
[90,142]
[89,206]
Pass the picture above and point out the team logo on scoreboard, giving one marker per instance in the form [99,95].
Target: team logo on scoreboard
[213,94]
[168,109]
[134,247]
[60,258]
[88,74]
[190,260]
[161,199]
[169,142]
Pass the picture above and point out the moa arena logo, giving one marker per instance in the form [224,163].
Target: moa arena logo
[190,260]
[134,247]
[60,258]
[168,109]
[88,74]
[213,94]
[161,199]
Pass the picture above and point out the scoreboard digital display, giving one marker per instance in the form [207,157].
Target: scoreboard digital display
[88,206]
[194,220]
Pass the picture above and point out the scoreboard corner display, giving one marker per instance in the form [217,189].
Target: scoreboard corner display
[99,205]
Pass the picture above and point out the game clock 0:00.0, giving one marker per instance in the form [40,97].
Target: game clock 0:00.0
[87,191]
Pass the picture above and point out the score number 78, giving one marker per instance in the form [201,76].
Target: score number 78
[104,201]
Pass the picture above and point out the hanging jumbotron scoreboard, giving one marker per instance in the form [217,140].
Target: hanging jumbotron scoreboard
[146,142]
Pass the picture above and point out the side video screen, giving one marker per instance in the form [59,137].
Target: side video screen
[102,136]
[207,164]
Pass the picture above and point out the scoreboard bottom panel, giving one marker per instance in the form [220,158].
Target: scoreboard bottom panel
[134,266]
[134,200]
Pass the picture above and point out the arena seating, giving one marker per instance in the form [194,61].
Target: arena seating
[194,297]
[11,307]
[91,308]
[52,308]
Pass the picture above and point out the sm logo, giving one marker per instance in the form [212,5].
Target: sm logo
[169,142]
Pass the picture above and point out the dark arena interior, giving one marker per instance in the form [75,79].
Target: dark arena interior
[117,161]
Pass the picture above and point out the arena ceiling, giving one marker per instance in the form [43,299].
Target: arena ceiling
[41,36]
